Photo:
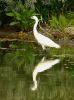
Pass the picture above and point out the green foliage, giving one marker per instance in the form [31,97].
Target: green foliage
[59,23]
[0,23]
[42,9]
[70,16]
[18,12]
[63,23]
[21,15]
[54,22]
[48,8]
[3,6]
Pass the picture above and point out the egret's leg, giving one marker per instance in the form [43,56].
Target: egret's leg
[43,47]
[42,60]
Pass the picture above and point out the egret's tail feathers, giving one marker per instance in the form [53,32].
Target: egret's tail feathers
[57,46]
[53,44]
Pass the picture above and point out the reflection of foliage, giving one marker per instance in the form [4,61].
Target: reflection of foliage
[62,53]
[24,55]
[19,57]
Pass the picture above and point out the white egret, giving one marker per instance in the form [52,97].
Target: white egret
[41,67]
[43,40]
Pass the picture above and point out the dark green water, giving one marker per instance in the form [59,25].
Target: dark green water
[18,64]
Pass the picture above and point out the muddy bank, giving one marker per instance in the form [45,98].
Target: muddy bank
[55,35]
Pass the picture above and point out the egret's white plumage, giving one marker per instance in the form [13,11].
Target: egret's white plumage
[43,40]
[41,67]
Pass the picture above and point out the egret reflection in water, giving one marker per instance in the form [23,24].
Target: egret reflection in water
[41,67]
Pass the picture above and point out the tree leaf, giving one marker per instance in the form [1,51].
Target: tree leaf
[13,23]
[10,14]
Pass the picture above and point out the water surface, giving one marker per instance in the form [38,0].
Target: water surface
[17,67]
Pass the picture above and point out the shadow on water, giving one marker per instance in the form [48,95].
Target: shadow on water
[17,66]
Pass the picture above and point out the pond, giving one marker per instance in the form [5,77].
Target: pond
[29,73]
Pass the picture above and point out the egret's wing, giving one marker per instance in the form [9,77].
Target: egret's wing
[45,40]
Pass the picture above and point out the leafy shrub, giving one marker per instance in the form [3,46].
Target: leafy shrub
[3,6]
[54,22]
[42,9]
[63,22]
[48,8]
[59,23]
[21,16]
[70,16]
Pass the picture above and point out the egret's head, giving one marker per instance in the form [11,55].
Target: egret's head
[35,18]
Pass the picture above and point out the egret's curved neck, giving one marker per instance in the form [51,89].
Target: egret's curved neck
[35,26]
